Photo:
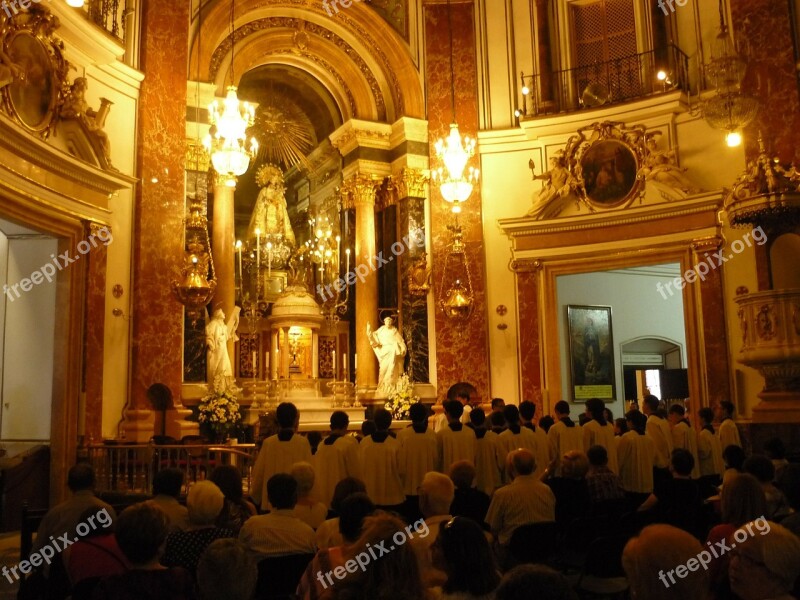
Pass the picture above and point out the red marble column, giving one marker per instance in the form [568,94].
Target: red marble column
[158,243]
[462,349]
[530,355]
[97,261]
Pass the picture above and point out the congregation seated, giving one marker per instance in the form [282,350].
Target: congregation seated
[435,497]
[676,501]
[775,450]
[604,485]
[226,570]
[570,489]
[328,535]
[236,510]
[141,530]
[278,533]
[96,554]
[463,553]
[765,562]
[307,509]
[205,502]
[762,469]
[167,484]
[468,501]
[733,457]
[534,581]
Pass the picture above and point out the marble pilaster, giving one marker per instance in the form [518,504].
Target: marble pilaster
[94,344]
[222,249]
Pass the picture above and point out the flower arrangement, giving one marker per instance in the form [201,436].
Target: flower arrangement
[401,399]
[219,412]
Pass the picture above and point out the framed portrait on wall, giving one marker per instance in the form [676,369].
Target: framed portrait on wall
[591,352]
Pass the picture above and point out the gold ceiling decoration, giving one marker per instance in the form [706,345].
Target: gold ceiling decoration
[284,133]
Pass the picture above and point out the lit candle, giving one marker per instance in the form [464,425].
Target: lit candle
[255,358]
[347,253]
[334,365]
[258,253]
[355,361]
[241,281]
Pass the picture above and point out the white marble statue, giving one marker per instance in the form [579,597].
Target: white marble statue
[389,347]
[218,334]
[559,184]
[659,165]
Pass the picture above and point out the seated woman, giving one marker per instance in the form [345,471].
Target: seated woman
[328,534]
[226,570]
[307,509]
[141,531]
[571,490]
[766,564]
[96,554]
[236,509]
[462,551]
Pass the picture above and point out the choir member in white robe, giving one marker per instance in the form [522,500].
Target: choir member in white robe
[516,437]
[487,475]
[337,457]
[658,430]
[636,453]
[455,442]
[419,451]
[709,449]
[279,452]
[380,461]
[599,432]
[684,436]
[727,432]
[565,435]
[440,422]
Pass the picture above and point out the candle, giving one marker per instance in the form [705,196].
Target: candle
[258,253]
[347,253]
[355,361]
[255,369]
[334,365]
[241,281]
[346,372]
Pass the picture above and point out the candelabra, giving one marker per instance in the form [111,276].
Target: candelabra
[324,251]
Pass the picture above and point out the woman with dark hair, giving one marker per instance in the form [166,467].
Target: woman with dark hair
[463,553]
[236,509]
[328,533]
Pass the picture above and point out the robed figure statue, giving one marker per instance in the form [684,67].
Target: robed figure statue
[389,347]
[218,334]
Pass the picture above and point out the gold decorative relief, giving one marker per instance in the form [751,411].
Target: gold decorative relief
[765,324]
[419,276]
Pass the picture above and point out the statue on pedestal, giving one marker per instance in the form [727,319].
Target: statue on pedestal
[218,334]
[270,215]
[389,347]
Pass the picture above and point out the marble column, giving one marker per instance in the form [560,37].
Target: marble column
[159,212]
[222,249]
[273,355]
[362,190]
[530,352]
[315,355]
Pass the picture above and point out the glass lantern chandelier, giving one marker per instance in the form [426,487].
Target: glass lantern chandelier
[227,143]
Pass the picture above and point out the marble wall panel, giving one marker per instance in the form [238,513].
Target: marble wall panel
[462,350]
[529,349]
[715,338]
[95,329]
[414,308]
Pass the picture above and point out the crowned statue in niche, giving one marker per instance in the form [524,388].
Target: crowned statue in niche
[559,184]
[659,166]
[218,334]
[270,215]
[390,349]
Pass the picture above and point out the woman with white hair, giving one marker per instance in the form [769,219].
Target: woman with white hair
[765,562]
[307,509]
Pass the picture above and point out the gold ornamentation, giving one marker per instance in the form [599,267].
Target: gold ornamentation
[197,158]
[284,132]
[419,276]
[410,183]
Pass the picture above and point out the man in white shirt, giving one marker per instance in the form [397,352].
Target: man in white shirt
[658,430]
[435,497]
[278,533]
[455,442]
[336,458]
[167,484]
[727,432]
[279,452]
[525,500]
[684,436]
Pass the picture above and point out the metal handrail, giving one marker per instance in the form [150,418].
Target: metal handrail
[109,15]
[610,82]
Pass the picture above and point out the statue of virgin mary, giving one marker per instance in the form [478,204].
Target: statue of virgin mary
[270,215]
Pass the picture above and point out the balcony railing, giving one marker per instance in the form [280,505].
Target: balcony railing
[610,82]
[108,15]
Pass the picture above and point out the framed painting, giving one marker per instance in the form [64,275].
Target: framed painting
[591,352]
[609,169]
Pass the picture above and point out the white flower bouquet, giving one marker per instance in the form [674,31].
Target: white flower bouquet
[401,399]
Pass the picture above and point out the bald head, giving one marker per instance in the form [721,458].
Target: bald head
[520,462]
[436,494]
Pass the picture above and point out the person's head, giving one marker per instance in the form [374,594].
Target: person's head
[765,562]
[383,419]
[314,438]
[463,398]
[303,474]
[734,457]
[725,410]
[608,415]
[287,415]
[346,487]
[527,411]
[546,422]
[621,426]
[595,408]
[520,462]
[511,414]
[352,512]
[388,321]
[648,558]
[534,581]
[775,449]
[418,413]
[760,467]
[340,421]
[650,404]
[681,462]
[228,479]
[80,477]
[676,413]
[561,409]
[436,494]
[368,427]
[282,491]
[706,415]
[597,456]
[102,523]
[574,465]
[141,530]
[226,570]
[168,482]
[462,473]
[742,500]
[477,417]
[498,420]
[204,501]
[498,404]
[462,551]
[453,410]
[636,421]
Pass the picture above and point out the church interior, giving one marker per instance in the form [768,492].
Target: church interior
[344,203]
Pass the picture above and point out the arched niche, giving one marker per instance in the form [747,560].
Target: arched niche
[784,256]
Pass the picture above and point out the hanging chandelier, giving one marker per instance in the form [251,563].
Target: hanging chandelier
[730,109]
[454,179]
[195,289]
[227,143]
[457,297]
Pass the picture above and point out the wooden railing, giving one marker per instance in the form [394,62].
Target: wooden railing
[130,468]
